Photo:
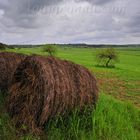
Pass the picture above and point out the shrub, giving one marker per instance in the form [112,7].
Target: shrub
[2,46]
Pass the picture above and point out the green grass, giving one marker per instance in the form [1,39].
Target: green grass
[117,116]
[128,67]
[112,119]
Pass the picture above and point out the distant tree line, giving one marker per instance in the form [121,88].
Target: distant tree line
[76,45]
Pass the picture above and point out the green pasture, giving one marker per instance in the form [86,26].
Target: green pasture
[117,115]
[128,66]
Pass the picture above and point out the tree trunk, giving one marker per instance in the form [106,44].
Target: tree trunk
[107,63]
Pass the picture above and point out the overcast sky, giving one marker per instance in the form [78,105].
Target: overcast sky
[70,21]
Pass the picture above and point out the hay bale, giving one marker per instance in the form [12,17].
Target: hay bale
[44,88]
[8,64]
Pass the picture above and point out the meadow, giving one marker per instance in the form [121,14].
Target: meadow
[117,115]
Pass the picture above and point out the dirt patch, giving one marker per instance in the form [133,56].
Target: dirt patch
[121,89]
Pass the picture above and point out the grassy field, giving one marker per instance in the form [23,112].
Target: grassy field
[117,116]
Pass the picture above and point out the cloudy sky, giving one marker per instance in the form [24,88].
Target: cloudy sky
[70,21]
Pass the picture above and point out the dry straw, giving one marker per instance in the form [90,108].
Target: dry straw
[8,63]
[44,88]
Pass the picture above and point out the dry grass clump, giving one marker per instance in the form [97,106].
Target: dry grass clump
[44,88]
[8,64]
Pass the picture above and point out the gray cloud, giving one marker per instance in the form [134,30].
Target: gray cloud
[65,21]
